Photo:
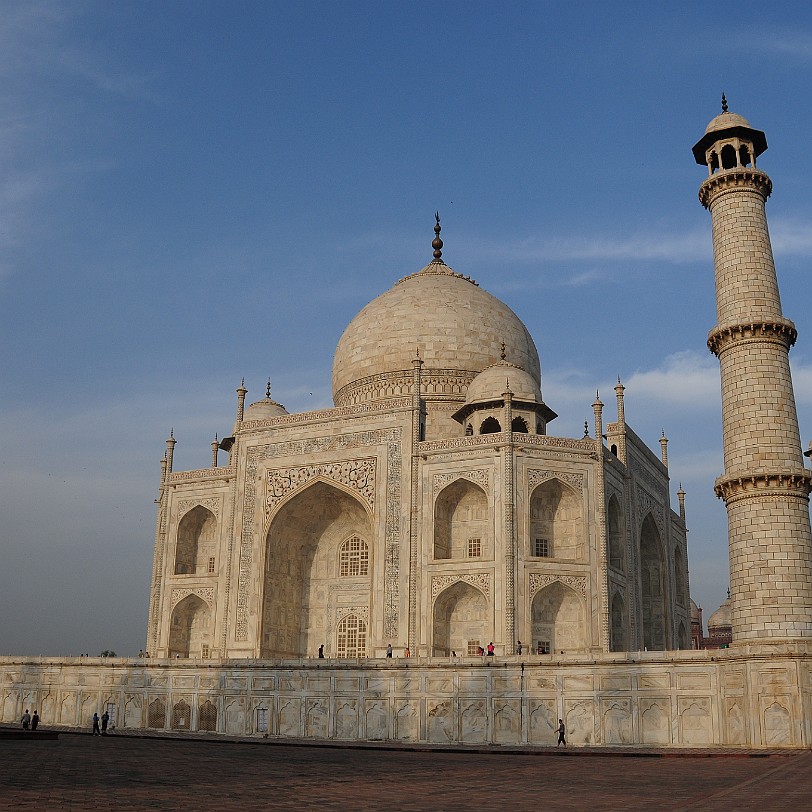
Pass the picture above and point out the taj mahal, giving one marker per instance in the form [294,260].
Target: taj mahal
[429,561]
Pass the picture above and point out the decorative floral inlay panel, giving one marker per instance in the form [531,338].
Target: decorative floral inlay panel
[481,581]
[479,476]
[212,504]
[539,580]
[536,477]
[205,593]
[358,475]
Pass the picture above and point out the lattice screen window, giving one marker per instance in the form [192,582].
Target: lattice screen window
[208,716]
[156,714]
[542,548]
[353,558]
[205,651]
[352,637]
[474,548]
[211,564]
[473,647]
[181,715]
[543,647]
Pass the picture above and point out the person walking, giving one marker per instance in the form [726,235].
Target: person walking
[34,720]
[561,731]
[96,731]
[389,650]
[105,719]
[519,646]
[26,720]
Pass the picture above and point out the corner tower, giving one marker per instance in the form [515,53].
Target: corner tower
[765,485]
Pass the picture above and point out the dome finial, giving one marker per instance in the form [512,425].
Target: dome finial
[724,103]
[437,243]
[502,354]
[268,390]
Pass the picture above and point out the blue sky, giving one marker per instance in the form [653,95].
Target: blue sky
[193,192]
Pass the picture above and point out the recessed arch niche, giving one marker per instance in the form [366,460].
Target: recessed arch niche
[302,560]
[460,619]
[460,514]
[190,628]
[652,586]
[197,538]
[558,618]
[556,515]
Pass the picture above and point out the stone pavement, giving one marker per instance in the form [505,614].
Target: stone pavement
[124,772]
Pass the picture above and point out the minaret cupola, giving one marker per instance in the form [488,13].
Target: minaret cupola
[729,142]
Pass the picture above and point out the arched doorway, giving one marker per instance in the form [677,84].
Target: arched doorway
[558,618]
[321,537]
[617,556]
[461,526]
[197,538]
[190,628]
[460,620]
[652,586]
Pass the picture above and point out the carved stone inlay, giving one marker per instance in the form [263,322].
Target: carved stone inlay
[642,473]
[498,438]
[646,504]
[539,580]
[358,475]
[479,476]
[358,611]
[212,504]
[481,581]
[363,439]
[205,593]
[536,477]
[222,472]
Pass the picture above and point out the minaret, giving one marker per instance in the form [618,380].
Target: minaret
[765,486]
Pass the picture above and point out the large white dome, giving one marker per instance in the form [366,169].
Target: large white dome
[457,327]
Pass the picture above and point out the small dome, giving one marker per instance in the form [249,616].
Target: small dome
[694,612]
[265,409]
[725,121]
[722,616]
[493,381]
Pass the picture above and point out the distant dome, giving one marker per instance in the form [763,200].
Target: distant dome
[491,383]
[457,327]
[722,616]
[726,120]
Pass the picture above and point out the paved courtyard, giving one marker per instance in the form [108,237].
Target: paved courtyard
[80,772]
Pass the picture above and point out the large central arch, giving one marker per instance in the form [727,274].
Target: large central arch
[318,557]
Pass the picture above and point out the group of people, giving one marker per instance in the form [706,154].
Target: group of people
[105,720]
[30,722]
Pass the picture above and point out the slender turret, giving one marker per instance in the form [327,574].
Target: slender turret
[765,486]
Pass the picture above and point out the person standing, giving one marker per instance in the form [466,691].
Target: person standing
[561,731]
[389,650]
[519,646]
[26,720]
[321,651]
[105,719]
[490,649]
[34,720]
[96,731]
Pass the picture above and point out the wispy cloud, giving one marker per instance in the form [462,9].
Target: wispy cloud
[787,43]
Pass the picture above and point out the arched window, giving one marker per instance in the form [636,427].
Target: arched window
[728,156]
[490,425]
[519,425]
[353,558]
[352,637]
[469,430]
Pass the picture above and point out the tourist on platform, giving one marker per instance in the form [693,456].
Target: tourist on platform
[104,720]
[490,649]
[321,651]
[96,731]
[519,646]
[406,652]
[480,651]
[26,720]
[561,731]
[389,650]
[34,720]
